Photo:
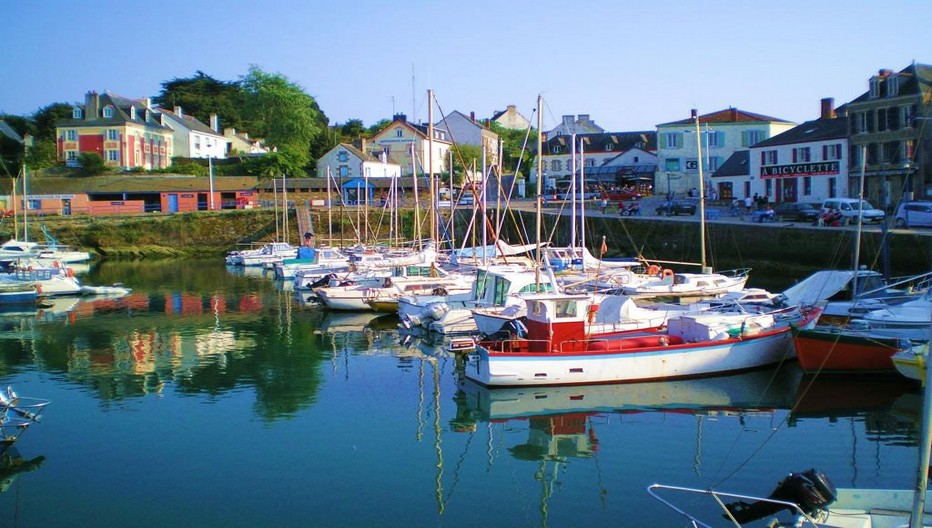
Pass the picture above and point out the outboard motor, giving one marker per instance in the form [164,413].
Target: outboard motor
[810,490]
[323,281]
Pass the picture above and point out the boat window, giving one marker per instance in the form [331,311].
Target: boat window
[502,286]
[482,279]
[537,308]
[565,308]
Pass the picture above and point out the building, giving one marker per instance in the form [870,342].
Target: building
[194,139]
[561,156]
[807,163]
[240,144]
[464,130]
[348,161]
[126,133]
[634,167]
[721,134]
[575,125]
[409,146]
[511,119]
[888,131]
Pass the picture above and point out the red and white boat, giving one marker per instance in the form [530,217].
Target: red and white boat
[558,351]
[834,349]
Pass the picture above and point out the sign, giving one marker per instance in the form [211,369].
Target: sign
[800,169]
[692,165]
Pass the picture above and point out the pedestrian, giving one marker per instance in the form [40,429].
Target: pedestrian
[748,203]
[757,201]
[604,205]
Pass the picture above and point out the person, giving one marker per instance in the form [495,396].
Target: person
[604,204]
[757,200]
[713,195]
[735,208]
[748,203]
[769,214]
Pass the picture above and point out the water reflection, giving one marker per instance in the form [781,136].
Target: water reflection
[13,464]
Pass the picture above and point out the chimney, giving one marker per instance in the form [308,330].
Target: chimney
[148,102]
[91,105]
[400,117]
[828,108]
[884,73]
[178,111]
[214,123]
[472,116]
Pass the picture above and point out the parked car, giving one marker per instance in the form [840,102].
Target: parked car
[620,195]
[913,214]
[848,207]
[676,207]
[797,212]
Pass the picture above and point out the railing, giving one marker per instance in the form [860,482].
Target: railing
[802,518]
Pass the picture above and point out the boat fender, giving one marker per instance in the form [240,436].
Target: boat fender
[653,270]
[593,309]
[667,273]
[29,268]
[70,272]
[439,291]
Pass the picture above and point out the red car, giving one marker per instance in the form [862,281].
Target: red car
[621,195]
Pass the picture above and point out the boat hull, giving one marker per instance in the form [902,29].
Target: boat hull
[825,350]
[628,359]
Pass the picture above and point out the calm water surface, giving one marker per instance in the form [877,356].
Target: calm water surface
[208,398]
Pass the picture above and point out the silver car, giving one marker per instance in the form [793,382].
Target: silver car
[913,214]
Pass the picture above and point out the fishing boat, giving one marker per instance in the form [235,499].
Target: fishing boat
[269,253]
[909,319]
[834,349]
[557,350]
[15,296]
[670,284]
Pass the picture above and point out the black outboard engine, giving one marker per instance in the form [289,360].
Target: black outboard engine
[810,490]
[323,281]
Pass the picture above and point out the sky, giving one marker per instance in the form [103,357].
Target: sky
[628,65]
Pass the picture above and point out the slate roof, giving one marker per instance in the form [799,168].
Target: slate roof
[738,164]
[729,115]
[121,114]
[914,79]
[816,130]
[191,122]
[621,141]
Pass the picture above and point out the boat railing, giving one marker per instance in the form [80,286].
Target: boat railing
[719,498]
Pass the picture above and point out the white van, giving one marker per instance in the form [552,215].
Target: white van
[849,210]
[912,214]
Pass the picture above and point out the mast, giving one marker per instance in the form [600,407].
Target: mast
[430,165]
[329,210]
[573,190]
[582,194]
[417,202]
[540,188]
[857,238]
[702,258]
[925,447]
[284,208]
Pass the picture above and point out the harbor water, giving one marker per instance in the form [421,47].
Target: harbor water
[209,397]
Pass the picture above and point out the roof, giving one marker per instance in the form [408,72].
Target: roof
[729,115]
[915,79]
[7,130]
[645,140]
[379,182]
[816,130]
[738,164]
[365,156]
[191,123]
[132,182]
[121,115]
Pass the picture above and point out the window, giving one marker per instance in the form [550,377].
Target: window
[807,185]
[671,140]
[342,156]
[832,188]
[34,205]
[801,155]
[113,155]
[907,112]
[751,137]
[672,164]
[71,135]
[344,171]
[398,132]
[715,139]
[874,87]
[77,113]
[714,163]
[72,155]
[893,85]
[556,165]
[557,149]
[113,134]
[859,123]
[108,112]
[768,157]
[831,152]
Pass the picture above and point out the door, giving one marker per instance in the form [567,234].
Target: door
[66,207]
[788,187]
[172,203]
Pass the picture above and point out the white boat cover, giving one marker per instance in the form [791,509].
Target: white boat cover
[818,287]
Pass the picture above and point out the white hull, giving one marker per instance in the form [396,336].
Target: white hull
[658,363]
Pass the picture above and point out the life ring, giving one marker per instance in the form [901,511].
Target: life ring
[667,273]
[55,264]
[653,269]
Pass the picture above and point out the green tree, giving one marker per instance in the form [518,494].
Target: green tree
[42,154]
[283,114]
[378,127]
[202,95]
[45,118]
[465,159]
[512,143]
[91,163]
[352,130]
[273,165]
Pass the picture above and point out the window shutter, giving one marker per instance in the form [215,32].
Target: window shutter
[763,158]
[795,152]
[824,152]
[663,141]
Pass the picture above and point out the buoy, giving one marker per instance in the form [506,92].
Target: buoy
[667,273]
[653,269]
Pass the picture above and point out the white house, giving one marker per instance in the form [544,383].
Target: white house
[347,161]
[807,163]
[511,118]
[194,139]
[721,134]
[464,130]
[409,146]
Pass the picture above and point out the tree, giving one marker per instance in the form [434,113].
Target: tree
[465,159]
[91,163]
[279,111]
[42,154]
[512,142]
[378,127]
[353,129]
[202,95]
[273,165]
[45,118]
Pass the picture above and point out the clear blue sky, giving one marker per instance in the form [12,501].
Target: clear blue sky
[629,65]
